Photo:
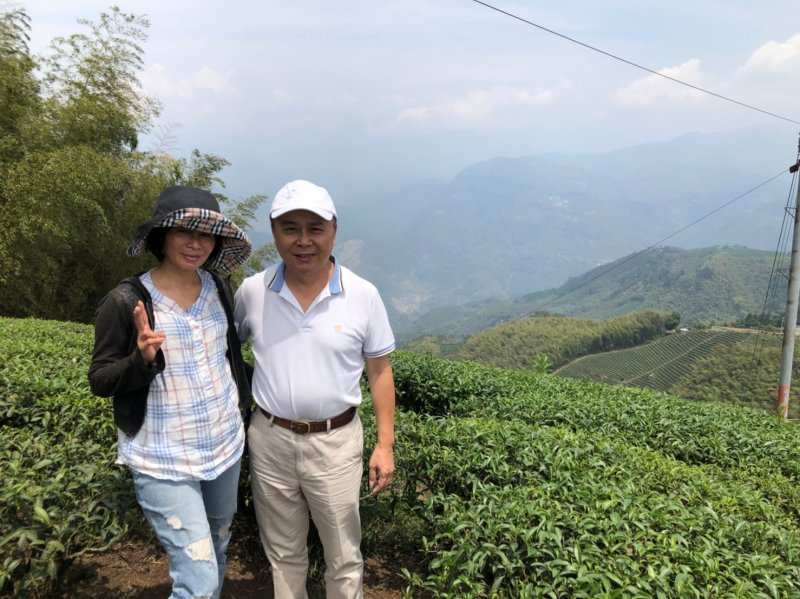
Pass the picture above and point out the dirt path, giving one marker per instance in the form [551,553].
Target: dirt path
[139,570]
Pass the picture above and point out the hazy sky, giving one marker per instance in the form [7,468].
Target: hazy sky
[362,96]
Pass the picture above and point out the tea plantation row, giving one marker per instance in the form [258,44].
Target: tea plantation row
[508,484]
[61,493]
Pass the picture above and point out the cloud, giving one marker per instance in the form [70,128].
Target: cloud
[157,81]
[774,57]
[652,88]
[480,104]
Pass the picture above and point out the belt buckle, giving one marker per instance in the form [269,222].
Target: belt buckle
[297,425]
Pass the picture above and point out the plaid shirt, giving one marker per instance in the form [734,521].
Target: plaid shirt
[192,428]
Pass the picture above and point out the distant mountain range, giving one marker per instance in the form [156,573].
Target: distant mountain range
[510,226]
[716,284]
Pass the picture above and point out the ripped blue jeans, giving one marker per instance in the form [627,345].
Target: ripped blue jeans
[192,520]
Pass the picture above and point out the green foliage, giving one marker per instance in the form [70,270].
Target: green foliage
[435,345]
[760,321]
[61,246]
[744,373]
[73,186]
[713,365]
[14,30]
[517,344]
[541,364]
[434,386]
[92,87]
[509,483]
[199,170]
[541,486]
[714,284]
[659,364]
[579,515]
[18,85]
[62,495]
[691,431]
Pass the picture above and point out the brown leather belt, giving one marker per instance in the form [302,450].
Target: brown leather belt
[302,427]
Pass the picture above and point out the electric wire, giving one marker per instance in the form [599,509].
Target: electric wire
[637,65]
[778,267]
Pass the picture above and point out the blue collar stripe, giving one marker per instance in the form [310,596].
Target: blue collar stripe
[276,284]
[335,284]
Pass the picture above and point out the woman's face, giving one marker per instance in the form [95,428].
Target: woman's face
[187,250]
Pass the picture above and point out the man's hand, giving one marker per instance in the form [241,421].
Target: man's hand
[147,340]
[381,385]
[381,469]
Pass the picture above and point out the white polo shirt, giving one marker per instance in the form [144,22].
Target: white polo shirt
[308,365]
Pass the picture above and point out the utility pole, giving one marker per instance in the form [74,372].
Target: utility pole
[790,319]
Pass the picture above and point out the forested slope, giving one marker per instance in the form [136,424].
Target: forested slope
[707,285]
[516,344]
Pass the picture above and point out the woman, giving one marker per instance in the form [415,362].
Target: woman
[167,351]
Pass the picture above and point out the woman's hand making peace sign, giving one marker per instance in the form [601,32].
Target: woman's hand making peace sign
[147,340]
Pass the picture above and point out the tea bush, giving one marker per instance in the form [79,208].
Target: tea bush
[61,493]
[693,431]
[530,511]
[509,484]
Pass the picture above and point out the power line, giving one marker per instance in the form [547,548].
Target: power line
[635,64]
[778,262]
[635,255]
[780,251]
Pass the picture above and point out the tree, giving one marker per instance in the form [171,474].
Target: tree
[541,364]
[19,89]
[74,185]
[92,86]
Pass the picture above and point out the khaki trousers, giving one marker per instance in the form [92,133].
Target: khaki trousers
[292,475]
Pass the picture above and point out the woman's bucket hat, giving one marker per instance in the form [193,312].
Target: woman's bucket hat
[196,210]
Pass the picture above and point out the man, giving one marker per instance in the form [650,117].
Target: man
[314,324]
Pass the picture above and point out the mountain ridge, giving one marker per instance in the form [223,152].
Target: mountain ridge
[508,226]
[713,284]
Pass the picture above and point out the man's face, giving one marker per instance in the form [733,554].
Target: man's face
[304,241]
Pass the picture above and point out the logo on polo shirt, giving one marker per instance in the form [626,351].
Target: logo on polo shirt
[338,328]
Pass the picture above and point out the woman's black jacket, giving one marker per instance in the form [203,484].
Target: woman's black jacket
[118,370]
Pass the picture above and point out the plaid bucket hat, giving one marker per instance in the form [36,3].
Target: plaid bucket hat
[196,210]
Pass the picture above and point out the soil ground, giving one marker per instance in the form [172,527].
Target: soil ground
[138,569]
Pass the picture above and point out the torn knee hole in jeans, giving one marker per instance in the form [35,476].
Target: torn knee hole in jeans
[174,523]
[224,532]
[200,550]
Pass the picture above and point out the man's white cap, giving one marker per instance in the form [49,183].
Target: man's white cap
[303,195]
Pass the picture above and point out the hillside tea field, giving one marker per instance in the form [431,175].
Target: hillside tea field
[718,364]
[744,373]
[658,364]
[509,484]
[518,343]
